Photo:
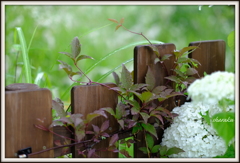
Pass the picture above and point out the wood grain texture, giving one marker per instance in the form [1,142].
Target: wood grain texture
[86,99]
[143,58]
[211,55]
[23,110]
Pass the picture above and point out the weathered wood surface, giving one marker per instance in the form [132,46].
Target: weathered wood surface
[25,108]
[211,55]
[87,99]
[143,58]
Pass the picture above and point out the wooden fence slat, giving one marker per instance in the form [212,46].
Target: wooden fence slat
[25,108]
[144,57]
[86,99]
[211,55]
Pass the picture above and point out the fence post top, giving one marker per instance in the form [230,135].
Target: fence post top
[21,86]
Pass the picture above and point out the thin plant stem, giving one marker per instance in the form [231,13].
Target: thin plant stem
[90,81]
[15,79]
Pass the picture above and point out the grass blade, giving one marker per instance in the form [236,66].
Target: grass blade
[94,30]
[119,49]
[30,43]
[109,72]
[105,57]
[26,63]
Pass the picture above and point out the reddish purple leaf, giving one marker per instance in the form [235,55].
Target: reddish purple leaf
[105,134]
[104,126]
[113,149]
[89,132]
[125,153]
[76,118]
[57,143]
[150,79]
[58,105]
[113,20]
[113,139]
[65,150]
[121,122]
[191,71]
[91,153]
[118,26]
[122,20]
[95,129]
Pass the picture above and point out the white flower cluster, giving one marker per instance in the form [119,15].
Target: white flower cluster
[190,132]
[212,88]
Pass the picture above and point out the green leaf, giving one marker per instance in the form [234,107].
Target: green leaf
[174,150]
[150,79]
[163,150]
[145,96]
[67,68]
[76,47]
[166,56]
[80,133]
[120,110]
[145,116]
[116,78]
[137,128]
[206,117]
[191,71]
[144,150]
[231,41]
[224,123]
[156,60]
[126,78]
[150,128]
[150,141]
[81,57]
[67,54]
[174,79]
[155,50]
[135,110]
[56,123]
[91,116]
[155,149]
[58,105]
[110,111]
[186,49]
[137,87]
[230,153]
[159,89]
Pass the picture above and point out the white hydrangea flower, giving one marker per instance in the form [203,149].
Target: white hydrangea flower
[212,88]
[190,132]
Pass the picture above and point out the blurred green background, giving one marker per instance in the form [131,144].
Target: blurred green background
[56,26]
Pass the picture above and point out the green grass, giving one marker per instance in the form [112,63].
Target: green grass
[49,30]
[24,50]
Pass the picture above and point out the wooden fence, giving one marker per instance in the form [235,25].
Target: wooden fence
[27,104]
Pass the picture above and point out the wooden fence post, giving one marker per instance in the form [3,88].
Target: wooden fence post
[27,105]
[211,55]
[88,98]
[144,57]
